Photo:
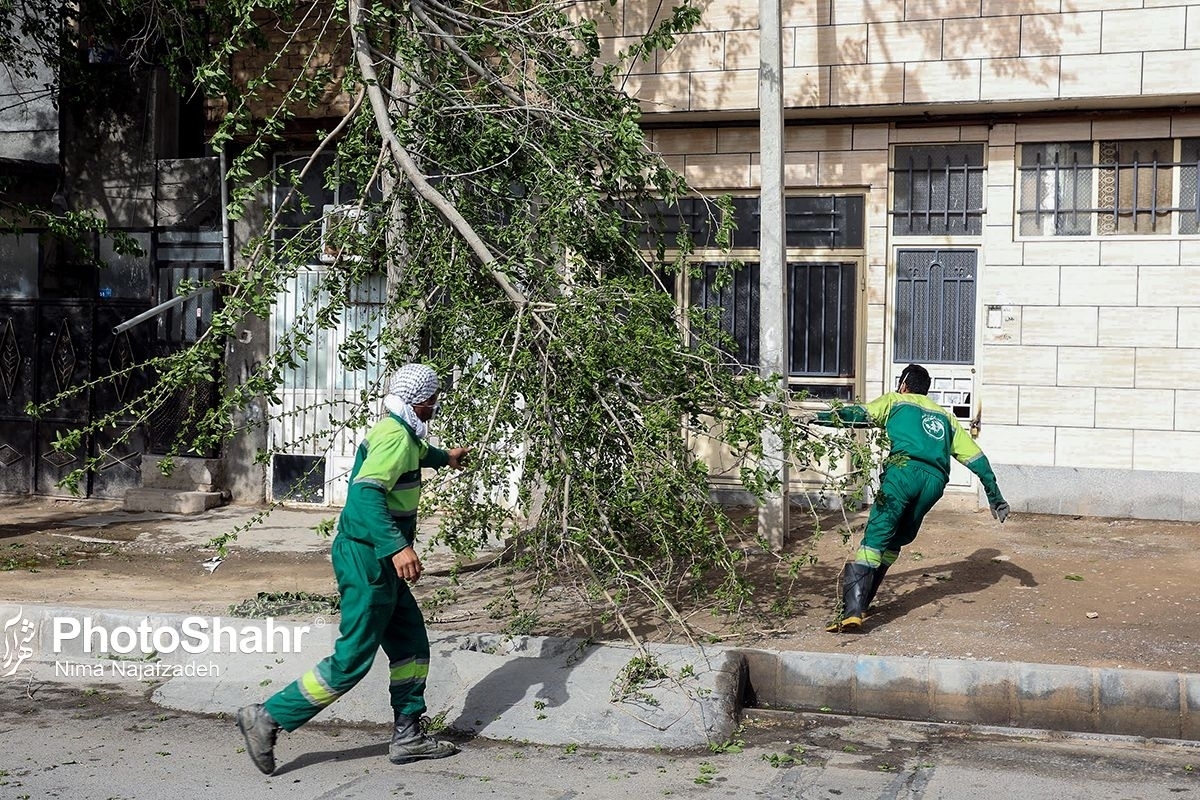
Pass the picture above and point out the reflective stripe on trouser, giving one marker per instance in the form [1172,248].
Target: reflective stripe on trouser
[377,610]
[906,493]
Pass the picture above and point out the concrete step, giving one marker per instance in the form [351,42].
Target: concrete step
[187,474]
[171,501]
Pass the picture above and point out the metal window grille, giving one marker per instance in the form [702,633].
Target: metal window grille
[935,306]
[1056,184]
[1133,184]
[811,222]
[938,190]
[822,306]
[737,297]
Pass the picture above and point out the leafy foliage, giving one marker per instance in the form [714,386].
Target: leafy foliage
[505,187]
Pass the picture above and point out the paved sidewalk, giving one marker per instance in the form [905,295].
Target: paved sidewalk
[561,691]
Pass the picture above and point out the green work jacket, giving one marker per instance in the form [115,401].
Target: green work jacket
[385,486]
[922,431]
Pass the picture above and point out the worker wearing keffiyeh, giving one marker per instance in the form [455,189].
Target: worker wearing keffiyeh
[374,560]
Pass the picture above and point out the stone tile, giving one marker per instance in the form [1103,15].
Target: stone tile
[726,171]
[1060,34]
[1035,77]
[1099,286]
[1187,409]
[995,8]
[684,141]
[854,168]
[1143,30]
[1139,326]
[818,137]
[1020,285]
[1096,366]
[737,140]
[866,84]
[1058,406]
[844,11]
[1173,72]
[870,137]
[806,87]
[1161,450]
[1135,408]
[1056,252]
[986,37]
[898,42]
[1027,445]
[1147,127]
[724,91]
[694,52]
[741,49]
[659,92]
[1094,448]
[1145,250]
[1107,75]
[834,44]
[941,9]
[1058,325]
[1054,131]
[1169,286]
[1032,365]
[998,404]
[925,134]
[1164,367]
[941,81]
[1189,327]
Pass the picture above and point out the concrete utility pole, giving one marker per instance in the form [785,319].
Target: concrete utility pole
[773,514]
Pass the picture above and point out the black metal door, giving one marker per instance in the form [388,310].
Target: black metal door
[63,352]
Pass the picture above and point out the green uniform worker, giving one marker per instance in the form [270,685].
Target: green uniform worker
[924,436]
[374,560]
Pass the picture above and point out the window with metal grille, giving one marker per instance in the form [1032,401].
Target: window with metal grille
[822,308]
[822,294]
[935,306]
[735,296]
[812,222]
[938,190]
[1056,189]
[1106,188]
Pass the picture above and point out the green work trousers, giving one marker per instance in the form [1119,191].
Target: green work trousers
[906,493]
[377,610]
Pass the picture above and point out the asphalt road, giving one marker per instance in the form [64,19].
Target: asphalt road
[108,742]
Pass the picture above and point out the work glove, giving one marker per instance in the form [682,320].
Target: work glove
[1000,511]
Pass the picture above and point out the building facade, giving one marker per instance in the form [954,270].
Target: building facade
[1002,190]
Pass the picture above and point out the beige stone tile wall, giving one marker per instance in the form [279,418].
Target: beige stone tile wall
[893,53]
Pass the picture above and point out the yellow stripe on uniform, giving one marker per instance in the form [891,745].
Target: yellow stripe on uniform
[410,671]
[315,690]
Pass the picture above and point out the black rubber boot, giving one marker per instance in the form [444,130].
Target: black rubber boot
[880,571]
[856,587]
[411,743]
[260,730]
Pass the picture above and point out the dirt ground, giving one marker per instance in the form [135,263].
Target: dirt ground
[1040,588]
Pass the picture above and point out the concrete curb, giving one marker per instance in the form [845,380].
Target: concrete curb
[560,691]
[1013,694]
[536,689]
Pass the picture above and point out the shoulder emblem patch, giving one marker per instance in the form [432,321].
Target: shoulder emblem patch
[934,425]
